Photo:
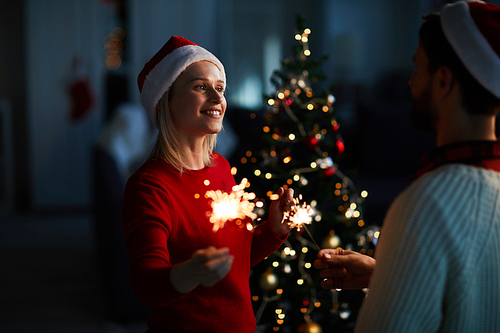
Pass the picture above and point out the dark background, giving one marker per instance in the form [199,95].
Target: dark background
[62,256]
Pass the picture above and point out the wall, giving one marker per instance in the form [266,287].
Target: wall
[152,22]
[366,38]
[12,92]
[245,35]
[57,31]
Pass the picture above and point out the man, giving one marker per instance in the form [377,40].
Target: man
[438,258]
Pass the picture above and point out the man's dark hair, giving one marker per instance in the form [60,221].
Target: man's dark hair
[475,98]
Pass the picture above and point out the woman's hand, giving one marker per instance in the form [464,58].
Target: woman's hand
[278,206]
[206,267]
[344,269]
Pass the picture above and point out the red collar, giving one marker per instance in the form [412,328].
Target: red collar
[483,154]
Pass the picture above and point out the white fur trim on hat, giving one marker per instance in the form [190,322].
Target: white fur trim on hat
[471,46]
[162,75]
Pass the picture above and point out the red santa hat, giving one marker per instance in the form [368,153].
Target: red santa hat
[165,66]
[473,30]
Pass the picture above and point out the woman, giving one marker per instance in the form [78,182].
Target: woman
[193,279]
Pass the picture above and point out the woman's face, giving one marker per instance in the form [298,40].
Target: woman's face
[197,103]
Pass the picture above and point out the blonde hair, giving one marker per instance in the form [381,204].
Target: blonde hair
[167,146]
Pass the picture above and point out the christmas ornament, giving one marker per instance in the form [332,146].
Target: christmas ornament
[311,327]
[80,91]
[340,146]
[345,311]
[329,172]
[268,280]
[287,268]
[331,99]
[332,241]
[325,163]
[311,142]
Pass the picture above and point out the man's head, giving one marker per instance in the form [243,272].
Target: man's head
[447,39]
[423,115]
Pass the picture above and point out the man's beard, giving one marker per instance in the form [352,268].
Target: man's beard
[423,115]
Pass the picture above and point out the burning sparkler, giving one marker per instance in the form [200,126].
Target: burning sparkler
[230,206]
[299,216]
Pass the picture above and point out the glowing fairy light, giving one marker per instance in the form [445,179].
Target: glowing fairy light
[230,206]
[331,99]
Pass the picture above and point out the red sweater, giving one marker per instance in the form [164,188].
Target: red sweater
[164,222]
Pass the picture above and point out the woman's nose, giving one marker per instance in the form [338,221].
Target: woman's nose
[216,96]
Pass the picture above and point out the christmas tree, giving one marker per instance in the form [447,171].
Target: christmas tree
[301,147]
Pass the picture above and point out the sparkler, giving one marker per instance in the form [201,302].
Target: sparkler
[299,216]
[230,206]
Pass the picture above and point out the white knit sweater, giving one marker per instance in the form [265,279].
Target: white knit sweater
[438,258]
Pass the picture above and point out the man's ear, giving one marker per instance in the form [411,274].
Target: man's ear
[444,81]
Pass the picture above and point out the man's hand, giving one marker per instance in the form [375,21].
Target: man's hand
[343,269]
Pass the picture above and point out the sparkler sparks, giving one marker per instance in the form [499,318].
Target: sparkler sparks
[299,215]
[230,206]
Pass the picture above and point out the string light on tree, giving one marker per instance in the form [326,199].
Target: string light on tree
[301,147]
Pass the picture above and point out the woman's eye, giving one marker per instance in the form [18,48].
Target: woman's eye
[202,87]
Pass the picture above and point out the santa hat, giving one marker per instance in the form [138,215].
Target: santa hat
[165,66]
[473,30]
